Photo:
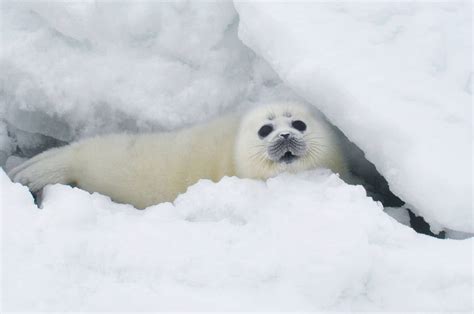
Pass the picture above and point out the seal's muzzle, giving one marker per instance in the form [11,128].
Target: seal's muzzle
[286,148]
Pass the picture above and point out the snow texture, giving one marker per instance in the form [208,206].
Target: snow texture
[396,78]
[296,242]
[70,70]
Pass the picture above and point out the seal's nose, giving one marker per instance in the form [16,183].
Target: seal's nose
[285,135]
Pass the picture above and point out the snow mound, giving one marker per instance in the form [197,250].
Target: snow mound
[296,242]
[396,78]
[76,69]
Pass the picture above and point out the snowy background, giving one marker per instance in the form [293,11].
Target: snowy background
[396,78]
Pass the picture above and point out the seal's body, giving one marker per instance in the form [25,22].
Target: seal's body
[147,169]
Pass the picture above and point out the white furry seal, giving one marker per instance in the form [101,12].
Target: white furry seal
[147,169]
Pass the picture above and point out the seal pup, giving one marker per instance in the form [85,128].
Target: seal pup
[286,138]
[147,169]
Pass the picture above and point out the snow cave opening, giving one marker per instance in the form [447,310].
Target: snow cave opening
[361,170]
[366,174]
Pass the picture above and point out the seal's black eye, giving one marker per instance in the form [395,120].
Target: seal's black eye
[299,125]
[265,130]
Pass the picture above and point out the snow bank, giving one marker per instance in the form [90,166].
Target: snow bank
[295,242]
[396,78]
[75,69]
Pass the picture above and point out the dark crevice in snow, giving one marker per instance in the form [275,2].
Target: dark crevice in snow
[421,226]
[29,144]
[365,173]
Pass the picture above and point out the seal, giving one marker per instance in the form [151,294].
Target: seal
[289,138]
[147,169]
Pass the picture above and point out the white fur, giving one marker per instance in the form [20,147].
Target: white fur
[147,169]
[252,157]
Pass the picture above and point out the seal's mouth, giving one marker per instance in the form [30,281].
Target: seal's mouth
[288,157]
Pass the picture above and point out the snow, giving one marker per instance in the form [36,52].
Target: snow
[238,244]
[400,214]
[70,70]
[395,78]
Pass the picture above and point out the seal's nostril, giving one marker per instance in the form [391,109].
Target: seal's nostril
[285,135]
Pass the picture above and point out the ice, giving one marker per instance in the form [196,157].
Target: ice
[6,146]
[400,214]
[75,69]
[296,242]
[395,78]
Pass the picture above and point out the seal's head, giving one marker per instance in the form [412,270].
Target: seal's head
[284,137]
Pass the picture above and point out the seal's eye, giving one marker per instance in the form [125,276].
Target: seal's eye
[265,130]
[299,125]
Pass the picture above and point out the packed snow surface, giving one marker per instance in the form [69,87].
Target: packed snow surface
[296,242]
[395,77]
